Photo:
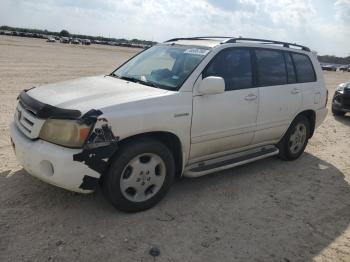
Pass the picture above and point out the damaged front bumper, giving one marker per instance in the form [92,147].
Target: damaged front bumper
[341,101]
[53,164]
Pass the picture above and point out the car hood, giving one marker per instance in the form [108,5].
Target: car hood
[92,93]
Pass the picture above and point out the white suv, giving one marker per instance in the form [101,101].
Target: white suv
[189,106]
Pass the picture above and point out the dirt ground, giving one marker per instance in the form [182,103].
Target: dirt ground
[269,210]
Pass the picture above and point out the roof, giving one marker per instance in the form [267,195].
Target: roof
[198,42]
[211,41]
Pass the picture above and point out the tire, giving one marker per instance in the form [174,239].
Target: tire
[140,175]
[293,144]
[337,112]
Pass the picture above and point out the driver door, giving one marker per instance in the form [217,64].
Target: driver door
[226,121]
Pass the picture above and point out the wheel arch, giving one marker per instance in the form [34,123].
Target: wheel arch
[311,116]
[169,139]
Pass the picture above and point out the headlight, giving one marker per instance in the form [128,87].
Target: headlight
[69,133]
[341,88]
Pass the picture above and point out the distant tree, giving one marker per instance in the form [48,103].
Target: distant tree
[334,59]
[64,33]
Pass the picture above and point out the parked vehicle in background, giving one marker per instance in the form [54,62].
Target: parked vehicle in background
[189,106]
[64,40]
[51,40]
[85,42]
[329,67]
[344,68]
[341,100]
[75,41]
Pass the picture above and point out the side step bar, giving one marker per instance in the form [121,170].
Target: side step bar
[229,161]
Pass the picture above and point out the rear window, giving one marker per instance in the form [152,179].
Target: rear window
[271,68]
[304,68]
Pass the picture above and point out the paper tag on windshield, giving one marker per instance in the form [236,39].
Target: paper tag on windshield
[196,51]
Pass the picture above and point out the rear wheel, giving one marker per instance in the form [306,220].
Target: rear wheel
[140,175]
[295,140]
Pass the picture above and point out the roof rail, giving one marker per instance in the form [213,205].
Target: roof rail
[198,38]
[227,39]
[265,41]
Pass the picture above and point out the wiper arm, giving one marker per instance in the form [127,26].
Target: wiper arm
[152,84]
[135,80]
[127,78]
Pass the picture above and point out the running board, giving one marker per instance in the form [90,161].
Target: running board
[229,161]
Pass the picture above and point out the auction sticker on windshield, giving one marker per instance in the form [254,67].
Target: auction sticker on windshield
[197,51]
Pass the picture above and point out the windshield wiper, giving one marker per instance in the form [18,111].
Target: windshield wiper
[148,83]
[131,79]
[136,80]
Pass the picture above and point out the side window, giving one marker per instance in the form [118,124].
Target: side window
[290,69]
[234,66]
[304,68]
[271,67]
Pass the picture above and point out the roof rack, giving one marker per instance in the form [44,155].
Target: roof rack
[265,41]
[198,38]
[227,39]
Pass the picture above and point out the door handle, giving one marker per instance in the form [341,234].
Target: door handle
[295,91]
[250,97]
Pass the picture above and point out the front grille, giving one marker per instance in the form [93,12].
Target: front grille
[346,102]
[27,122]
[346,98]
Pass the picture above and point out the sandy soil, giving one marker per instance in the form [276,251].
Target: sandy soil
[266,211]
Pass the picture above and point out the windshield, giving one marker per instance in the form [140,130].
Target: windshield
[162,66]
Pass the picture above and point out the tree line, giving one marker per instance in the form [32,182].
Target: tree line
[334,59]
[65,33]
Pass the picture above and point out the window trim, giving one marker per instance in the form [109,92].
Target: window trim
[286,53]
[252,65]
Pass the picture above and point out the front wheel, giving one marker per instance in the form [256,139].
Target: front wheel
[337,112]
[140,175]
[295,140]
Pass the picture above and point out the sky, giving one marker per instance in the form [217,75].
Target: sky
[323,25]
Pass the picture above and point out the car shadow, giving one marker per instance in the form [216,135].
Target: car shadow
[269,210]
[345,120]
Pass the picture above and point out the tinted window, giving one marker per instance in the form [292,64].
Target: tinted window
[304,68]
[290,69]
[271,68]
[234,66]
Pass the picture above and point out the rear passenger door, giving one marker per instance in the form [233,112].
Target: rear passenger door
[279,96]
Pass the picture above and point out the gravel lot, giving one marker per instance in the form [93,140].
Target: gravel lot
[269,210]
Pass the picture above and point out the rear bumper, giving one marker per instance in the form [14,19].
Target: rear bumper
[53,164]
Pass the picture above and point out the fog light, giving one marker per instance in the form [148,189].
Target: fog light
[46,168]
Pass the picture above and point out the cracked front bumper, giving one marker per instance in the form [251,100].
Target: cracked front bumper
[52,163]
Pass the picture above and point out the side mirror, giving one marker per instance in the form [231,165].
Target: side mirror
[211,85]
